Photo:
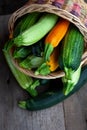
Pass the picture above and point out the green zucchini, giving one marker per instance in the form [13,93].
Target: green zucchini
[70,57]
[71,49]
[37,31]
[53,97]
[24,81]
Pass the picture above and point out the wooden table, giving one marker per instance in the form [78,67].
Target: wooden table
[68,115]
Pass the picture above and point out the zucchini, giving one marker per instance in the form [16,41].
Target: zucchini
[70,57]
[37,31]
[71,49]
[23,80]
[53,97]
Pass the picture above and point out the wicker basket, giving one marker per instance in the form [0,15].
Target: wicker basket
[72,10]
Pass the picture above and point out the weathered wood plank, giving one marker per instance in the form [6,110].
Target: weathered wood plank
[74,117]
[12,117]
[82,96]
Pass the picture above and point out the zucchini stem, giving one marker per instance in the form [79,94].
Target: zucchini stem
[48,50]
[44,69]
[22,104]
[70,80]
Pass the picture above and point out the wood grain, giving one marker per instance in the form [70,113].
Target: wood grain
[74,117]
[82,97]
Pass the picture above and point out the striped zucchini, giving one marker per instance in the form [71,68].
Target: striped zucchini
[70,56]
[71,49]
[37,31]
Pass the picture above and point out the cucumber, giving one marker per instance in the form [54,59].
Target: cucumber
[53,96]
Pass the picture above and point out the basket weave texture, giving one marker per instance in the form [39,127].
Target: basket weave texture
[73,10]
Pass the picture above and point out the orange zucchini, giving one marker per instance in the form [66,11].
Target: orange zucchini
[55,36]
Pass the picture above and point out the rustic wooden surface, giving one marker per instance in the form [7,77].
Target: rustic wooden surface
[68,115]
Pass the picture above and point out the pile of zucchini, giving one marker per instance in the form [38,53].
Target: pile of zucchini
[46,43]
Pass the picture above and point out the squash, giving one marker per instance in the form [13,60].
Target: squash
[55,36]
